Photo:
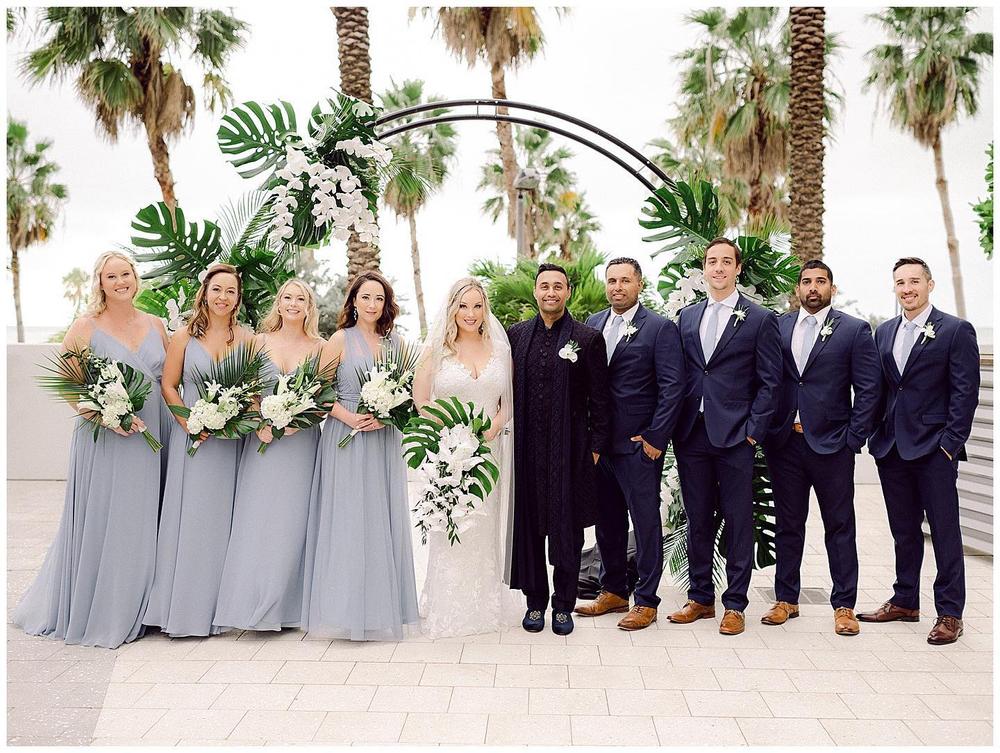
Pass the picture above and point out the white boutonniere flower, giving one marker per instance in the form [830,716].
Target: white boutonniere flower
[928,332]
[630,329]
[569,351]
[740,312]
[828,327]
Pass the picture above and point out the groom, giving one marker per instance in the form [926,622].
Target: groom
[646,369]
[561,428]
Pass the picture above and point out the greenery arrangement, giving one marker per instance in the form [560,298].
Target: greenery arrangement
[984,210]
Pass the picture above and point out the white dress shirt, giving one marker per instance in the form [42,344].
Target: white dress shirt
[728,304]
[798,333]
[627,317]
[920,320]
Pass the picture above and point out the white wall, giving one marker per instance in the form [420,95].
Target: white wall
[39,427]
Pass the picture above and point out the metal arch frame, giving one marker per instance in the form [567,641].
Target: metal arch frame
[389,118]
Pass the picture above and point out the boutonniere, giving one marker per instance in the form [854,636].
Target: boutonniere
[569,351]
[630,329]
[828,328]
[928,332]
[740,312]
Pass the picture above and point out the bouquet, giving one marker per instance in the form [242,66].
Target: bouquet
[454,465]
[113,390]
[387,387]
[300,400]
[226,397]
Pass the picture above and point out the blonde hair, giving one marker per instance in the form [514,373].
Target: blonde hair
[460,288]
[198,325]
[98,300]
[273,322]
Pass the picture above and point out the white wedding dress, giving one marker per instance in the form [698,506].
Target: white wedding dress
[464,592]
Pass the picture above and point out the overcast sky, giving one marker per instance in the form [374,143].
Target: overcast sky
[608,64]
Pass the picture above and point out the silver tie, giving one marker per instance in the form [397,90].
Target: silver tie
[711,336]
[808,338]
[909,334]
[612,341]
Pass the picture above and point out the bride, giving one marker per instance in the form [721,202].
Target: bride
[466,355]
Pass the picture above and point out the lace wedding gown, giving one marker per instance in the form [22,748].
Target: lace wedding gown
[464,592]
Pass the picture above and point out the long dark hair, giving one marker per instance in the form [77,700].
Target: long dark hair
[349,313]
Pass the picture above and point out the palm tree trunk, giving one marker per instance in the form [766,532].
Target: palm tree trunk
[355,81]
[507,157]
[161,166]
[806,120]
[15,273]
[418,287]
[941,183]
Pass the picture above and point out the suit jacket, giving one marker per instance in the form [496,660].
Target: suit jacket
[932,403]
[845,359]
[739,382]
[646,381]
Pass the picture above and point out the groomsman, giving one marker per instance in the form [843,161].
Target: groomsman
[732,356]
[816,433]
[930,368]
[646,381]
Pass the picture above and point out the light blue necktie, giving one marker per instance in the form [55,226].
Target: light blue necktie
[909,335]
[612,341]
[808,338]
[711,336]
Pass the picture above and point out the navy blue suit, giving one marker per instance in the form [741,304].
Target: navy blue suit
[714,459]
[928,407]
[646,381]
[822,456]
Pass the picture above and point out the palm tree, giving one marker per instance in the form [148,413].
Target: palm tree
[805,106]
[356,81]
[557,216]
[733,122]
[503,38]
[928,75]
[33,201]
[424,157]
[117,56]
[75,285]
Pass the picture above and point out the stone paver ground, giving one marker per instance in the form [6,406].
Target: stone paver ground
[667,685]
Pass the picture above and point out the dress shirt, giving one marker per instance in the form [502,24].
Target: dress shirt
[728,304]
[920,320]
[798,332]
[627,317]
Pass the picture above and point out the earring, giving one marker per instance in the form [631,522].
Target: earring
[354,313]
[480,329]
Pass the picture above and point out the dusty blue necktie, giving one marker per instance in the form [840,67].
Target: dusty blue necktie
[909,335]
[612,341]
[711,336]
[808,338]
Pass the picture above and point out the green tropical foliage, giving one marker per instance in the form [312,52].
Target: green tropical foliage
[984,209]
[510,289]
[76,286]
[34,201]
[558,220]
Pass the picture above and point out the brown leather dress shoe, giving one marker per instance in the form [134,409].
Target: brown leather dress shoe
[733,622]
[604,603]
[889,612]
[639,617]
[692,611]
[844,621]
[946,630]
[780,613]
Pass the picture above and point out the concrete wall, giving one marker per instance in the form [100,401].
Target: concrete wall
[39,427]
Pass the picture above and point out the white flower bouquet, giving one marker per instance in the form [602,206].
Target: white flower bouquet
[112,390]
[454,465]
[300,400]
[387,387]
[227,392]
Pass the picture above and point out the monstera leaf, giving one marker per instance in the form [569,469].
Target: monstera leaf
[255,136]
[262,271]
[168,303]
[772,273]
[685,216]
[186,247]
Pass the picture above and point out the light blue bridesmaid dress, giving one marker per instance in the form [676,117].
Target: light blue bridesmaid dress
[95,581]
[359,581]
[195,521]
[262,577]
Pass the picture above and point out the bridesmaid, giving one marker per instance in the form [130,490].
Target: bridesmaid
[198,496]
[262,578]
[359,580]
[96,578]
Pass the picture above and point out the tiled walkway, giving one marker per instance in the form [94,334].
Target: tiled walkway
[667,685]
